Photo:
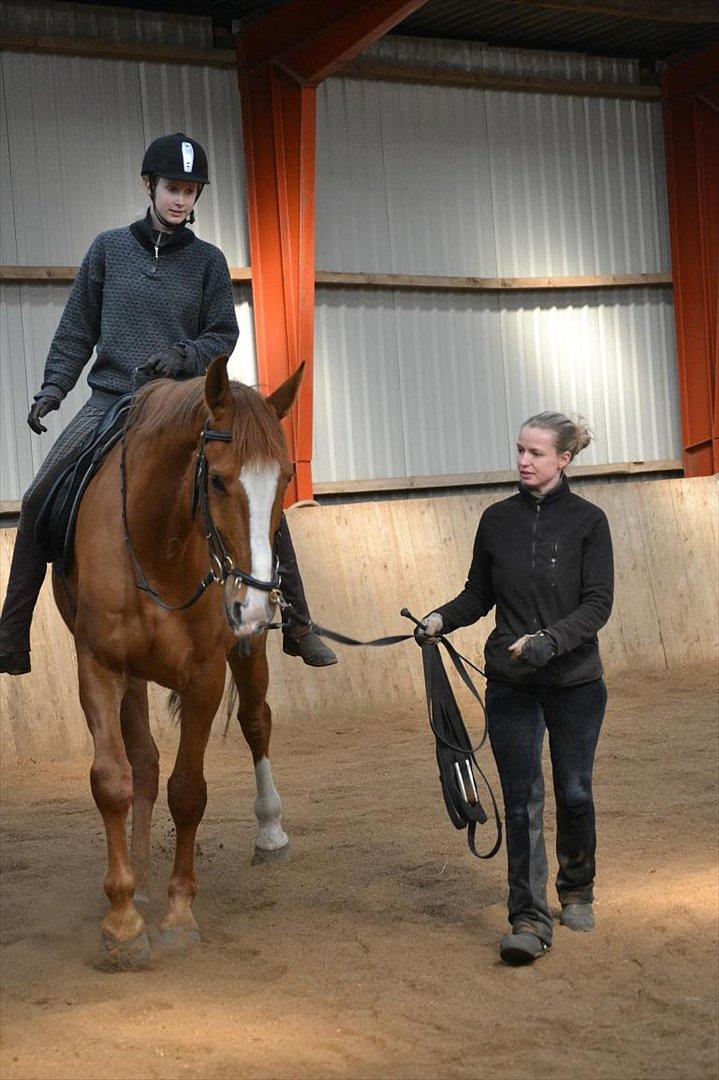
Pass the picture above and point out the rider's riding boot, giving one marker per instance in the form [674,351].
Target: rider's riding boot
[27,574]
[298,637]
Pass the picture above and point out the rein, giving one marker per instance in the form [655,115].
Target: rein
[456,758]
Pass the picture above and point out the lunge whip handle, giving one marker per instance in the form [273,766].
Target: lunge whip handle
[406,614]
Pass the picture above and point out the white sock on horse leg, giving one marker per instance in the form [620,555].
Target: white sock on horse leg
[268,810]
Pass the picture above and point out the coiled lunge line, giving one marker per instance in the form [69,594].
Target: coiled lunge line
[456,757]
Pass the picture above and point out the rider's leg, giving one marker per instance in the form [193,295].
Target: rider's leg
[27,571]
[298,637]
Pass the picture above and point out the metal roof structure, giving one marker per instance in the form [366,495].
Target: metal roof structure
[649,30]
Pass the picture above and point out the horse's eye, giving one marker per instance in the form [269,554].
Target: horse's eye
[217,483]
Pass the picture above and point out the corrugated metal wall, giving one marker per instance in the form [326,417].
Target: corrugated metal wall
[458,181]
[410,179]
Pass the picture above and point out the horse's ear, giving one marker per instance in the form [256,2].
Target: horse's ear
[217,385]
[282,399]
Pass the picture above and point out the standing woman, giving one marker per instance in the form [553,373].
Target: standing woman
[153,296]
[544,558]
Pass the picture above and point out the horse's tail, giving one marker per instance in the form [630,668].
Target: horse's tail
[232,698]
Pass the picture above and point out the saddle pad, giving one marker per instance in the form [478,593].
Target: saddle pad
[55,525]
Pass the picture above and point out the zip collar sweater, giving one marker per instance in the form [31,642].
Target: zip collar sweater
[133,298]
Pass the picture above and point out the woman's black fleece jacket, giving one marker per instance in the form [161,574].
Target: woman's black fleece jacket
[547,565]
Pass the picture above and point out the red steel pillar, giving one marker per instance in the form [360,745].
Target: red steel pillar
[690,92]
[281,60]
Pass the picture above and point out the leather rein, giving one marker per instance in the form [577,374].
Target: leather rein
[222,566]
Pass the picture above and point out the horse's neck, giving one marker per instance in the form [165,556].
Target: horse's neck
[158,500]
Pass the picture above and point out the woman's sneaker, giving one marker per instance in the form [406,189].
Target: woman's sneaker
[577,917]
[522,947]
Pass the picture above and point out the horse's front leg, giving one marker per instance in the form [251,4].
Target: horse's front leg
[101,694]
[251,677]
[187,798]
[145,761]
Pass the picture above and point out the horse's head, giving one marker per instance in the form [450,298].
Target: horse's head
[246,481]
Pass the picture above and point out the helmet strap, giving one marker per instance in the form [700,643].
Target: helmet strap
[171,225]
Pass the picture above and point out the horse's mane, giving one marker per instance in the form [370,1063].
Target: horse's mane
[179,409]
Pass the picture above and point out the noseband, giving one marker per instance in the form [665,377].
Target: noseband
[222,566]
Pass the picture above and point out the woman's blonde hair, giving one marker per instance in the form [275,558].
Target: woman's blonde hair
[571,433]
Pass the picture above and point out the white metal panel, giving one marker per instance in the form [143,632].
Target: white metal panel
[449,180]
[450,361]
[607,354]
[77,129]
[352,230]
[439,196]
[421,383]
[29,315]
[75,142]
[359,429]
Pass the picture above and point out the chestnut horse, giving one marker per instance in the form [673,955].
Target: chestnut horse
[203,469]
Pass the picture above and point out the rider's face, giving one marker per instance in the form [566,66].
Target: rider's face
[174,199]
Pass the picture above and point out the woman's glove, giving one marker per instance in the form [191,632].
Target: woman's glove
[45,404]
[170,364]
[538,649]
[428,633]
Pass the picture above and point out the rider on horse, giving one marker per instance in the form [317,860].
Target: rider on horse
[151,289]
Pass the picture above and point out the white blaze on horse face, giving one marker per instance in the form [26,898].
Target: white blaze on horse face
[268,810]
[259,480]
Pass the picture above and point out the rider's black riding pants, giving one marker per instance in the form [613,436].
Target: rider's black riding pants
[517,717]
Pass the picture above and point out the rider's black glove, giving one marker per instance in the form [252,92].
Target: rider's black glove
[44,404]
[539,649]
[170,363]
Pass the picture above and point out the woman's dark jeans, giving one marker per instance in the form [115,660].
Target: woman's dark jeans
[517,717]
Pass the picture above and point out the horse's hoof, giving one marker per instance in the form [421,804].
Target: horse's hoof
[271,855]
[177,938]
[120,955]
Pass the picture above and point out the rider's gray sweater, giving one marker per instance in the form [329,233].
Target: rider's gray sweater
[131,300]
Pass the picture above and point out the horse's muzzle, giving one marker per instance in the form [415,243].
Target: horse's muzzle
[249,611]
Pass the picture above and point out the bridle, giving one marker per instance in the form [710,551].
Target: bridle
[222,565]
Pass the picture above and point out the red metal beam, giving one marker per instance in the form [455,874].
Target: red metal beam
[281,59]
[691,128]
[311,39]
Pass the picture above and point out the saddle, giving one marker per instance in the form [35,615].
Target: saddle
[55,524]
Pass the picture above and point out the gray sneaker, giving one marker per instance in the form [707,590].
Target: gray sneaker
[577,917]
[522,948]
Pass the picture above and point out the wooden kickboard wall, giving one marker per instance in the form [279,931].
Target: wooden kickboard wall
[362,562]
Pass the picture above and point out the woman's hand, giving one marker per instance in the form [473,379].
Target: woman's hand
[537,649]
[428,633]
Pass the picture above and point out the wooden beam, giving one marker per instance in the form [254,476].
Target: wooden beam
[338,279]
[36,274]
[477,284]
[479,479]
[678,11]
[117,50]
[483,80]
[226,58]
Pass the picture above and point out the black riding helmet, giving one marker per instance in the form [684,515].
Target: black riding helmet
[175,157]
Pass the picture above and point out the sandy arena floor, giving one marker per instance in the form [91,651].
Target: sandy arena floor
[373,952]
